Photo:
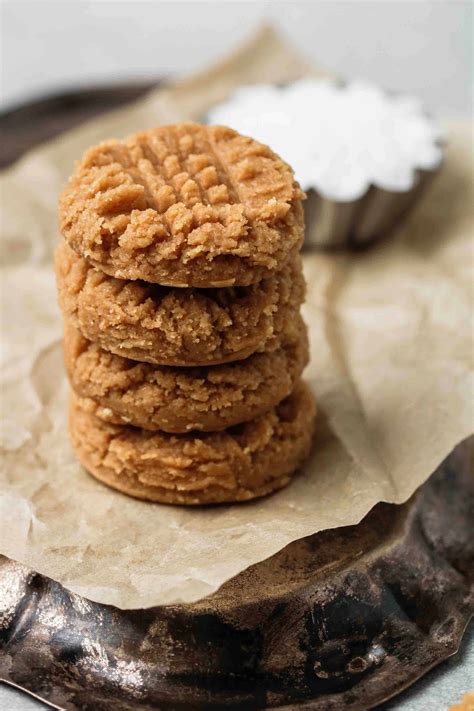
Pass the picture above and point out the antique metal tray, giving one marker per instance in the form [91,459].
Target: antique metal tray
[344,619]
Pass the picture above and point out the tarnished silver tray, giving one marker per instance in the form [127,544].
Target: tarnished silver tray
[343,619]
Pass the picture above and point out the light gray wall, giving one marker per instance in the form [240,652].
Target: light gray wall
[410,45]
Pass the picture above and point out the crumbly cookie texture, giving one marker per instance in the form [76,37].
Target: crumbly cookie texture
[241,463]
[184,205]
[122,391]
[171,326]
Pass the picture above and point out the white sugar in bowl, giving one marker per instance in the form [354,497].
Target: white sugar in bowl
[362,155]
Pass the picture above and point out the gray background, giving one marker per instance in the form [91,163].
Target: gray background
[413,46]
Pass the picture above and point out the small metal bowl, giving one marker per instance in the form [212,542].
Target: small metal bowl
[359,223]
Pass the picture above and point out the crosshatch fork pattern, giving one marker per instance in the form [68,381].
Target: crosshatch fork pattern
[193,190]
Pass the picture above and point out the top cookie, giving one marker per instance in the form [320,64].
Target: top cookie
[184,205]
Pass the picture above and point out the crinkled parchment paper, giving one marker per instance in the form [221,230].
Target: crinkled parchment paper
[391,356]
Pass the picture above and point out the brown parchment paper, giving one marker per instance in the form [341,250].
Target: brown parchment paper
[391,338]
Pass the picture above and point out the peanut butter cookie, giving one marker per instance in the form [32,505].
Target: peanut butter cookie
[184,205]
[171,326]
[183,399]
[241,463]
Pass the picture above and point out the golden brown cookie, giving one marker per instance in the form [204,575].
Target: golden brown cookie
[183,399]
[171,326]
[241,463]
[184,205]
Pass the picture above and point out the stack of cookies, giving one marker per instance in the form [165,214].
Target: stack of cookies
[180,281]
